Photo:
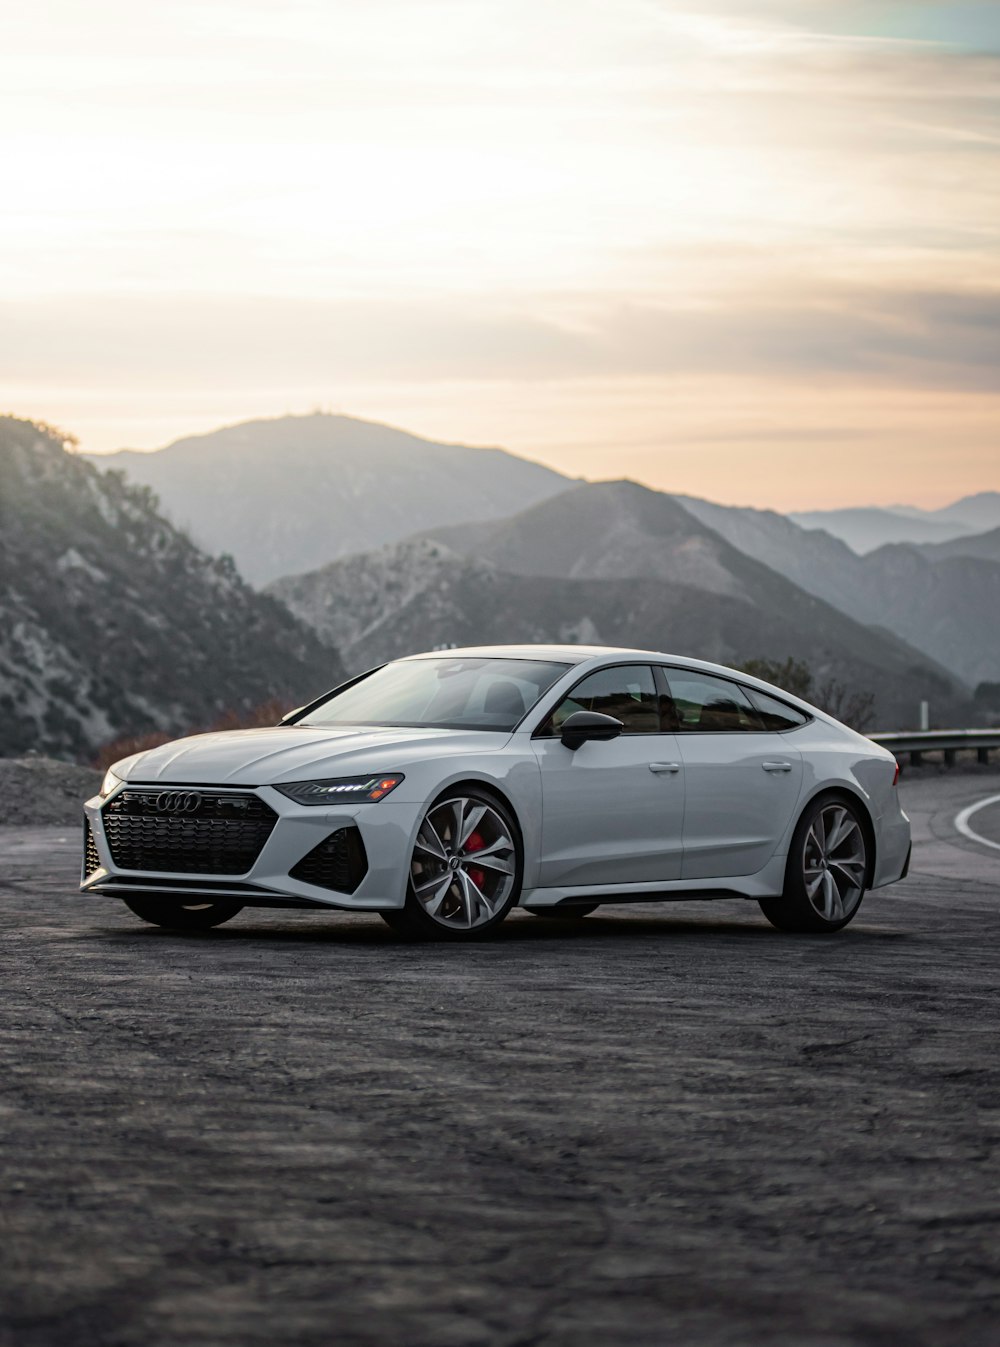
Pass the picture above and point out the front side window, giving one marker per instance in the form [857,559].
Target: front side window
[446,693]
[626,692]
[706,704]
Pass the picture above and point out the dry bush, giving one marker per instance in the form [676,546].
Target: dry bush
[852,707]
[267,713]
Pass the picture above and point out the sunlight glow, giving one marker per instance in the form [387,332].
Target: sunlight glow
[446,213]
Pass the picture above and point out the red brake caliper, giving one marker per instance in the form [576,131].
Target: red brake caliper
[475,843]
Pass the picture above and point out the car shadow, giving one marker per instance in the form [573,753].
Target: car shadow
[520,929]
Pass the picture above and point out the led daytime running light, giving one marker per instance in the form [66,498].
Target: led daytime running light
[361,788]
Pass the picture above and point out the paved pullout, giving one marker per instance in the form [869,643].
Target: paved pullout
[671,1125]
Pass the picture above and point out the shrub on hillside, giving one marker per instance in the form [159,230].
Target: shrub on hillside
[855,708]
[266,714]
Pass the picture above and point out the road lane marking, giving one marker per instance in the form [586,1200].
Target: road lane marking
[962,822]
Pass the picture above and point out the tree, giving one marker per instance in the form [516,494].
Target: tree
[855,708]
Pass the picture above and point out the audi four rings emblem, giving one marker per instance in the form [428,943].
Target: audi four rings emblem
[178,802]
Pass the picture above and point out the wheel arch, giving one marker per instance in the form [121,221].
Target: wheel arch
[489,787]
[855,798]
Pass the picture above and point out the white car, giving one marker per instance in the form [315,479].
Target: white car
[443,789]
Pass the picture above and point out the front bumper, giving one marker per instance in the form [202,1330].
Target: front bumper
[388,829]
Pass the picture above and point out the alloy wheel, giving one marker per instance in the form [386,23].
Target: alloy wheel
[464,863]
[834,863]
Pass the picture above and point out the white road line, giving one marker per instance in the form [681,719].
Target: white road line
[962,822]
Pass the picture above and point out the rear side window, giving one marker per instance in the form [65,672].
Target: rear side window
[709,705]
[775,715]
[626,692]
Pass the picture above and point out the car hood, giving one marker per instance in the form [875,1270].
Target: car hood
[295,753]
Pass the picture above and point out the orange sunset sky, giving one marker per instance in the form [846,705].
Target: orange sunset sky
[745,251]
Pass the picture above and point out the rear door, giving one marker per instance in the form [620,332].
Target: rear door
[741,780]
[612,813]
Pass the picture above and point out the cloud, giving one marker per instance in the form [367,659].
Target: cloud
[943,339]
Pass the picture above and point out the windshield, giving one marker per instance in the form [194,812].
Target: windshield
[450,693]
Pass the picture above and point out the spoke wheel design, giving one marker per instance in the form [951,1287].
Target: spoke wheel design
[834,862]
[464,863]
[827,870]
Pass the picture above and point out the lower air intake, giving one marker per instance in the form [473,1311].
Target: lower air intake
[339,862]
[91,860]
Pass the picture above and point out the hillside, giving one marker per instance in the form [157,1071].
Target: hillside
[290,494]
[113,622]
[933,597]
[612,563]
[985,546]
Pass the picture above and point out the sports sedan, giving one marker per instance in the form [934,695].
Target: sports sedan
[444,789]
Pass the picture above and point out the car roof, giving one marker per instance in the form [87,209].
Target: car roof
[583,654]
[565,654]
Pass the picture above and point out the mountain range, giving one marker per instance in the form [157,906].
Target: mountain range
[866,527]
[607,563]
[937,597]
[114,623]
[292,493]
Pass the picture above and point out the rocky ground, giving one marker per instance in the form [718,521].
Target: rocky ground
[669,1125]
[38,790]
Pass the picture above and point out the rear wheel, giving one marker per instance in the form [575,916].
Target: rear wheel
[827,870]
[465,871]
[182,916]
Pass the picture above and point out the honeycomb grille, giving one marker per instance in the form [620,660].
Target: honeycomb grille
[338,863]
[187,831]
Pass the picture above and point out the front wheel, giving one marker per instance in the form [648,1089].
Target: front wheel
[826,872]
[465,871]
[182,916]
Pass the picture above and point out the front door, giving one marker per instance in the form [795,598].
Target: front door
[741,780]
[612,813]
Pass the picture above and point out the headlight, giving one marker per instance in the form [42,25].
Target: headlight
[342,788]
[110,783]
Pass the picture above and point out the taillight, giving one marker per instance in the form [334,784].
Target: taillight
[895,775]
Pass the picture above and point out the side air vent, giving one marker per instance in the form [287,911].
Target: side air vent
[339,862]
[91,860]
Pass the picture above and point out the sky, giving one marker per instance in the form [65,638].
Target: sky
[747,251]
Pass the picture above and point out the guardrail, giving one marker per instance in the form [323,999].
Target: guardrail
[947,742]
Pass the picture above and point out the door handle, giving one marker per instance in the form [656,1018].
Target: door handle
[776,766]
[664,767]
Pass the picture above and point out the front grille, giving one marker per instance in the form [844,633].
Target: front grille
[91,860]
[339,862]
[187,830]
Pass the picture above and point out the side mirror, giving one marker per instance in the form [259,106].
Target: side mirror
[290,715]
[584,725]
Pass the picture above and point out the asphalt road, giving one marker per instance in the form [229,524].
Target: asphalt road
[670,1125]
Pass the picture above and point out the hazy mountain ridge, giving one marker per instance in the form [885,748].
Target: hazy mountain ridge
[934,597]
[865,528]
[290,494]
[984,546]
[453,586]
[114,622]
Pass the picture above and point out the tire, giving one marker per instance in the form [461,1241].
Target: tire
[465,870]
[182,916]
[567,913]
[827,869]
